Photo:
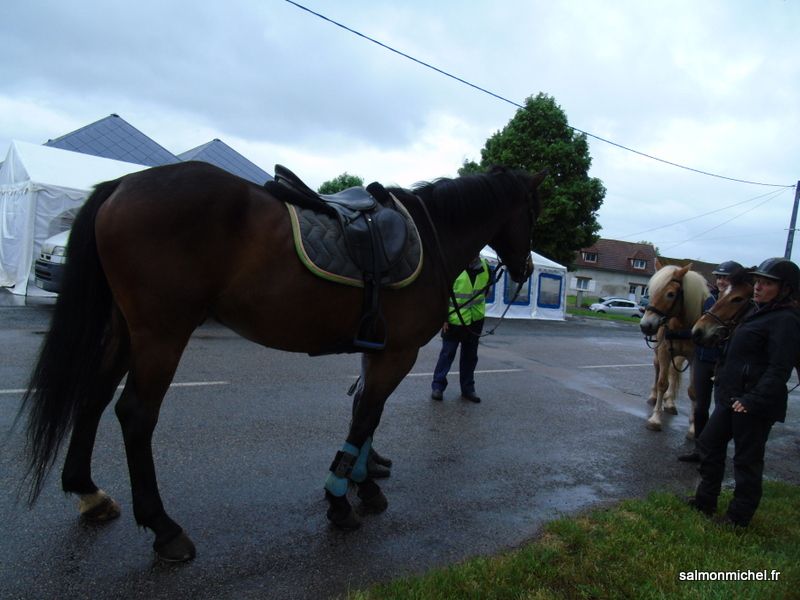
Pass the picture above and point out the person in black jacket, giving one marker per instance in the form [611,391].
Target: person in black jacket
[750,392]
[705,361]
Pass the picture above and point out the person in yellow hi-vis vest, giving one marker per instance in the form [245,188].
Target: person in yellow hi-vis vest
[473,310]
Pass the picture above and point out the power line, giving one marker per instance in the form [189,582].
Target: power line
[772,194]
[518,105]
[694,237]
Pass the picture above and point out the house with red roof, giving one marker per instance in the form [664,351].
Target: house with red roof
[613,268]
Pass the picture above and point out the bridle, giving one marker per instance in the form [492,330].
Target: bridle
[728,325]
[664,317]
[501,267]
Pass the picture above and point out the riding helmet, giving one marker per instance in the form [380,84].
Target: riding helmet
[726,268]
[780,269]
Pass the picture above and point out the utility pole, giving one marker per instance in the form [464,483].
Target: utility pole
[792,224]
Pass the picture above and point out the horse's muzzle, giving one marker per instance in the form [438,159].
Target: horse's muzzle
[650,323]
[522,275]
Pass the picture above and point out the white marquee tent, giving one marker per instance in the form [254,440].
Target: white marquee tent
[544,295]
[41,189]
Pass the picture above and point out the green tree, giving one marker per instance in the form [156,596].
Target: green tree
[537,137]
[342,182]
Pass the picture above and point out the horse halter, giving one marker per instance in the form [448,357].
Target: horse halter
[729,325]
[671,311]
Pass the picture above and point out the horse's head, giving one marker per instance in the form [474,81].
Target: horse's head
[514,241]
[716,325]
[675,293]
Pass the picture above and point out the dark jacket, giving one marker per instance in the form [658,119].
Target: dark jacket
[708,354]
[759,359]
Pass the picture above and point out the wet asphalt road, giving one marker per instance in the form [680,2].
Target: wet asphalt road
[241,461]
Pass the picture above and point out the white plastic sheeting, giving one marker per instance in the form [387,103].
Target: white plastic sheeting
[543,296]
[41,189]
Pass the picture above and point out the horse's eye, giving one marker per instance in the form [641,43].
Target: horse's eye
[737,300]
[671,295]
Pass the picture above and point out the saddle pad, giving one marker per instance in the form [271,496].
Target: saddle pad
[321,247]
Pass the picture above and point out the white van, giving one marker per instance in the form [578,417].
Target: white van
[49,267]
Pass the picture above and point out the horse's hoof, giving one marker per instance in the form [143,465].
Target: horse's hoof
[690,435]
[671,410]
[372,498]
[651,401]
[178,549]
[98,508]
[653,426]
[341,514]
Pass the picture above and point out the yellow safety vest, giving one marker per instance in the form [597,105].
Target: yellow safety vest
[464,289]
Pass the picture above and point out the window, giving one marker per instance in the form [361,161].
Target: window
[582,283]
[590,256]
[638,263]
[632,288]
[524,297]
[549,291]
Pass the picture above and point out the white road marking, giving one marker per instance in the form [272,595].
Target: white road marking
[614,366]
[484,372]
[181,384]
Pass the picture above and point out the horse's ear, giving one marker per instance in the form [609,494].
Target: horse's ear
[540,177]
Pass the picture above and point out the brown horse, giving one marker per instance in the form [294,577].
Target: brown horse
[154,254]
[677,295]
[717,324]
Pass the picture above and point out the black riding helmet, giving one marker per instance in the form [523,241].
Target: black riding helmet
[726,268]
[780,269]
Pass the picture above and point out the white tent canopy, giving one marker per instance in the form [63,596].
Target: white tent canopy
[41,188]
[543,296]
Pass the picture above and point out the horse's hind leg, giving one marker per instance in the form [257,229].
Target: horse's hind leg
[76,477]
[154,358]
[381,373]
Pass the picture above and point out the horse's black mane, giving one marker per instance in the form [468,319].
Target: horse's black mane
[469,196]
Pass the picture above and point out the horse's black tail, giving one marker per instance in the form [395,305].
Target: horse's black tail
[73,349]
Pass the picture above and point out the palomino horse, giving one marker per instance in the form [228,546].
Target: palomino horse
[716,325]
[154,254]
[677,295]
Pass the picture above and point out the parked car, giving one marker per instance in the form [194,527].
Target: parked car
[644,301]
[618,306]
[49,267]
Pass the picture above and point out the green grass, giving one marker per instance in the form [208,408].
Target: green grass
[636,549]
[585,312]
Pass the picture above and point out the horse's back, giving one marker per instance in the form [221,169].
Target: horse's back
[180,234]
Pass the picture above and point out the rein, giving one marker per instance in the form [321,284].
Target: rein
[484,291]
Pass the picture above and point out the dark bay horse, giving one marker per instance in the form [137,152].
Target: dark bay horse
[676,302]
[154,254]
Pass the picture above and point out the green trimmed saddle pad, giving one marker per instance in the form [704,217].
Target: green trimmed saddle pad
[321,247]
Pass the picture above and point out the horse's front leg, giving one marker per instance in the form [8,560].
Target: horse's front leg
[651,399]
[662,383]
[676,365]
[690,434]
[380,375]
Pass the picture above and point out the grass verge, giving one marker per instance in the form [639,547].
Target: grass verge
[635,549]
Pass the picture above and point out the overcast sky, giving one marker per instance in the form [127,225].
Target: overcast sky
[712,84]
